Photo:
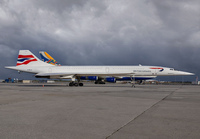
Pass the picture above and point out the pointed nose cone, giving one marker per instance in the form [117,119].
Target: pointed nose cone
[188,73]
[185,73]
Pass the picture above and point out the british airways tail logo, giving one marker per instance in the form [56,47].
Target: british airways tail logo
[160,69]
[25,59]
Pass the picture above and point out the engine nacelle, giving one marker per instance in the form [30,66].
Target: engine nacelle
[92,78]
[110,79]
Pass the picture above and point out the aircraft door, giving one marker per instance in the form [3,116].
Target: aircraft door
[107,69]
[154,71]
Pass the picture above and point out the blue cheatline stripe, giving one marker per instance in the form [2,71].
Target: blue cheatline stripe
[23,59]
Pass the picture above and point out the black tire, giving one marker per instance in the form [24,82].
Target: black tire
[80,84]
[71,84]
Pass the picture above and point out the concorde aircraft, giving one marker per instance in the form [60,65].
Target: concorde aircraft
[28,62]
[97,80]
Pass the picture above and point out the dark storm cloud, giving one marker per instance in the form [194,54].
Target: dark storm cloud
[107,32]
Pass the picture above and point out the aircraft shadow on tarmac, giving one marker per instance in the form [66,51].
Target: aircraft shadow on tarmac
[66,85]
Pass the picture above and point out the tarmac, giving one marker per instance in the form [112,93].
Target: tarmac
[110,111]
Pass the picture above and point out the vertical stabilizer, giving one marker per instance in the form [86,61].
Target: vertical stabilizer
[25,57]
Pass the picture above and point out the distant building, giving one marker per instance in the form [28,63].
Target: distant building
[27,81]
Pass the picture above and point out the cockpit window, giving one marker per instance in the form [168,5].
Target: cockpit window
[171,69]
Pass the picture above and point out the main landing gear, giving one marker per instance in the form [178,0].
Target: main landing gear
[133,82]
[75,84]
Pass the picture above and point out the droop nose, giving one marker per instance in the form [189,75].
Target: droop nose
[186,73]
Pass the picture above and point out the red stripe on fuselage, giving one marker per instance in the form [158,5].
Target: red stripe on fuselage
[26,62]
[156,68]
[25,56]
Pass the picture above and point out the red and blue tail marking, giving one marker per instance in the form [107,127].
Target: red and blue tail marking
[25,59]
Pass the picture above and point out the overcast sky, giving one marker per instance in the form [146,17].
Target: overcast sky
[102,32]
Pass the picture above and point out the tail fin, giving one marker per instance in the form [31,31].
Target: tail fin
[48,59]
[25,57]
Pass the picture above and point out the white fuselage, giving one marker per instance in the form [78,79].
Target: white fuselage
[65,71]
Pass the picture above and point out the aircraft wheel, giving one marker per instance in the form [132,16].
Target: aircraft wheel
[80,84]
[71,84]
